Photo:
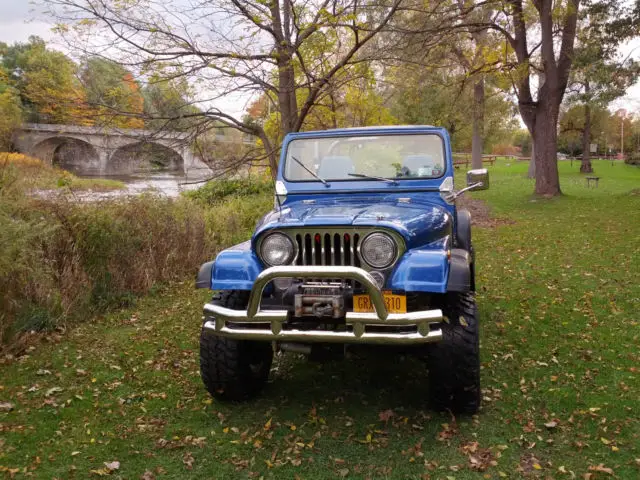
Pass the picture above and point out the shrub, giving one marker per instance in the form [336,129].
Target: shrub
[216,190]
[62,261]
[27,173]
[633,158]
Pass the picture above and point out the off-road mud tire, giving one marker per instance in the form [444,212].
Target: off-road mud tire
[454,362]
[233,369]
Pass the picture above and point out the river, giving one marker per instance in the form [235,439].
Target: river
[166,184]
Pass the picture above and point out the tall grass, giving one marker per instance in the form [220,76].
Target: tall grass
[62,261]
[25,173]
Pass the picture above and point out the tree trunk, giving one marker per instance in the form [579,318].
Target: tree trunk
[287,95]
[585,166]
[478,124]
[531,173]
[545,146]
[271,153]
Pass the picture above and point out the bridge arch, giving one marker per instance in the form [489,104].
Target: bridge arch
[69,153]
[144,157]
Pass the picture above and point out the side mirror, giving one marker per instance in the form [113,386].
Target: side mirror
[478,179]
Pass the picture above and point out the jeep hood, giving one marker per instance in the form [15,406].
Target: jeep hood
[419,221]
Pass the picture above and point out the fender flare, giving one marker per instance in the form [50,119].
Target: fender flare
[460,274]
[205,274]
[463,229]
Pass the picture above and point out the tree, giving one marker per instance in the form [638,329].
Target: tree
[541,35]
[441,96]
[599,75]
[548,59]
[474,52]
[112,93]
[240,48]
[167,104]
[10,110]
[47,83]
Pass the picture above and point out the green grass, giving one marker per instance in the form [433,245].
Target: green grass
[559,299]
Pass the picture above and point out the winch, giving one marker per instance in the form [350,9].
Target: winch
[320,299]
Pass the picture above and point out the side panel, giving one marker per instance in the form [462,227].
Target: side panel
[236,268]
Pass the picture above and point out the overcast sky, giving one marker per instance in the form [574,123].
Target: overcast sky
[19,19]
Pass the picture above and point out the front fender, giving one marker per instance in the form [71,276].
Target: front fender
[424,269]
[236,268]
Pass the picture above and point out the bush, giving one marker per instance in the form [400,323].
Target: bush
[24,173]
[215,191]
[633,158]
[63,261]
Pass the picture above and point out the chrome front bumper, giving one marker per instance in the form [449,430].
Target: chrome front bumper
[269,325]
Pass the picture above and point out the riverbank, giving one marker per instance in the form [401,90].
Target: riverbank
[64,260]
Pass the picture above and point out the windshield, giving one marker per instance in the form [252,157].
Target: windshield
[370,157]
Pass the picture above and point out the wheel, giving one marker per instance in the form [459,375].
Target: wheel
[233,369]
[454,362]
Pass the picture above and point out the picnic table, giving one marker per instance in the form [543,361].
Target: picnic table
[465,159]
[592,179]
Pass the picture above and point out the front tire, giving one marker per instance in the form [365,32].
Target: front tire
[233,369]
[454,362]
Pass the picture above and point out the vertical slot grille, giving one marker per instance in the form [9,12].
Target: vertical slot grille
[328,249]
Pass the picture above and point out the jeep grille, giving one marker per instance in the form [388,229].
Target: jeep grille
[328,248]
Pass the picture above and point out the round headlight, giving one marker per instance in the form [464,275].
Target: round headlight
[276,249]
[378,250]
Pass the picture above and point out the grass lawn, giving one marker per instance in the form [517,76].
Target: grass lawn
[559,298]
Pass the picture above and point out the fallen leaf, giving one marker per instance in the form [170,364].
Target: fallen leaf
[343,472]
[386,415]
[101,472]
[53,390]
[551,424]
[188,460]
[601,468]
[112,466]
[6,406]
[147,475]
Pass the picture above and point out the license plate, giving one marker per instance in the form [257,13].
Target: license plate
[394,303]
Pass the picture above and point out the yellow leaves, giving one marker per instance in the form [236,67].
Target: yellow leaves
[267,426]
[605,441]
[108,469]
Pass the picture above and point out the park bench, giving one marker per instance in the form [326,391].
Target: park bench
[592,179]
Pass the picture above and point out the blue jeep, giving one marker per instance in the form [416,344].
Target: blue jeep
[364,245]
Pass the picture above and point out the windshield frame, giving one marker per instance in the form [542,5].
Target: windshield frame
[337,135]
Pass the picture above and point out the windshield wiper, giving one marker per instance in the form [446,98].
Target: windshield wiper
[373,177]
[326,184]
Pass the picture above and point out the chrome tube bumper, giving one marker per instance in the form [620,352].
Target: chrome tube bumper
[268,325]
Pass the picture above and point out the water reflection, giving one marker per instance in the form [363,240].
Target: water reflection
[167,184]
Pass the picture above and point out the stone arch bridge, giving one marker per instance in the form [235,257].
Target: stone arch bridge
[107,151]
